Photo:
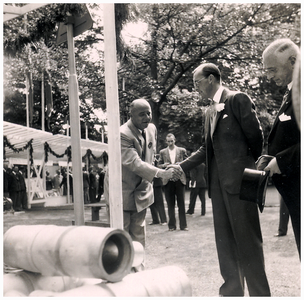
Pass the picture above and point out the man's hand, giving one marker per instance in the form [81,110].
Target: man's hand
[273,167]
[169,174]
[178,171]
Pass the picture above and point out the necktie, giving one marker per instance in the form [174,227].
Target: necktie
[144,145]
[285,97]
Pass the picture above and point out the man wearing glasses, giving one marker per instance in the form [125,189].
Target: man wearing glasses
[232,141]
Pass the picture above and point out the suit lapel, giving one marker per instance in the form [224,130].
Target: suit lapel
[218,115]
[137,135]
[282,109]
[177,150]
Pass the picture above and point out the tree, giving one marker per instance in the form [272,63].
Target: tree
[181,36]
[32,48]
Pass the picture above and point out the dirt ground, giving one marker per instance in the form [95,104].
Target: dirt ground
[194,250]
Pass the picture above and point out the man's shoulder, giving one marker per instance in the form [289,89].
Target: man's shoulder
[163,150]
[125,127]
[236,94]
[181,149]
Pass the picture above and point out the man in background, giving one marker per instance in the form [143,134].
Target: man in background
[198,187]
[174,190]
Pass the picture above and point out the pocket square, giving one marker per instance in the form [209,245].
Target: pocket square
[225,116]
[284,117]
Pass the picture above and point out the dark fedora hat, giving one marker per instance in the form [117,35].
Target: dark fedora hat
[253,187]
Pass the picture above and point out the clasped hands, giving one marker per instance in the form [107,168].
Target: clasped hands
[172,172]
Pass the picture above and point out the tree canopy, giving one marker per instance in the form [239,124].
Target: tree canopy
[157,67]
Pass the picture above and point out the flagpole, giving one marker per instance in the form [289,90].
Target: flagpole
[27,84]
[42,104]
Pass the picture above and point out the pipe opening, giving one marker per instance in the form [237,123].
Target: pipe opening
[116,254]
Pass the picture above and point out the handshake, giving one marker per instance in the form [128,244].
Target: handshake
[172,173]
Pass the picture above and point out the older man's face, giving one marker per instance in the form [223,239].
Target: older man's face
[278,70]
[141,115]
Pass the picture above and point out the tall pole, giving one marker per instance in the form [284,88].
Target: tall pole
[115,182]
[42,102]
[75,131]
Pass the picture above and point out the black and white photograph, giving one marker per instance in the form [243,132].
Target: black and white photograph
[151,149]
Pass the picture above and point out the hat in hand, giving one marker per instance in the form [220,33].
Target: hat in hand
[263,161]
[253,187]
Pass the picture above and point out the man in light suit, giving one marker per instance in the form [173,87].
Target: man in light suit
[279,60]
[174,190]
[232,141]
[138,145]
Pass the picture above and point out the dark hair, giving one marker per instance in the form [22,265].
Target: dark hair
[208,69]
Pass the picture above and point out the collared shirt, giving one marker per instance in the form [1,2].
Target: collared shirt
[289,86]
[217,96]
[172,154]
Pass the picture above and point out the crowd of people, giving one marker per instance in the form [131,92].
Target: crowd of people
[15,188]
[232,141]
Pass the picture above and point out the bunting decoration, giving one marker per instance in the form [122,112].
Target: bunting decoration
[48,149]
[29,145]
[103,157]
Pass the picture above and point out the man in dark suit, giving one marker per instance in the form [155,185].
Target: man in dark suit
[101,174]
[174,190]
[92,187]
[138,146]
[279,60]
[157,208]
[232,141]
[14,189]
[22,193]
[86,186]
[198,188]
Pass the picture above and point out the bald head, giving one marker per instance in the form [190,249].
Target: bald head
[281,49]
[279,59]
[141,115]
[138,103]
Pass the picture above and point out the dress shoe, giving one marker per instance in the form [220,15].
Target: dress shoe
[187,213]
[185,229]
[172,229]
[163,224]
[152,223]
[280,234]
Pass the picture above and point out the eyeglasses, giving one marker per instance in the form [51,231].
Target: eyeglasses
[196,82]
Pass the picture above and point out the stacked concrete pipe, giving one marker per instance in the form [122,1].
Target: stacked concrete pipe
[75,251]
[85,261]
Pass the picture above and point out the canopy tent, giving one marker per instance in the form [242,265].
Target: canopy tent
[19,135]
[115,184]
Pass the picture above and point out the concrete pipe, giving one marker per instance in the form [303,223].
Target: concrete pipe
[24,283]
[139,254]
[75,251]
[162,282]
